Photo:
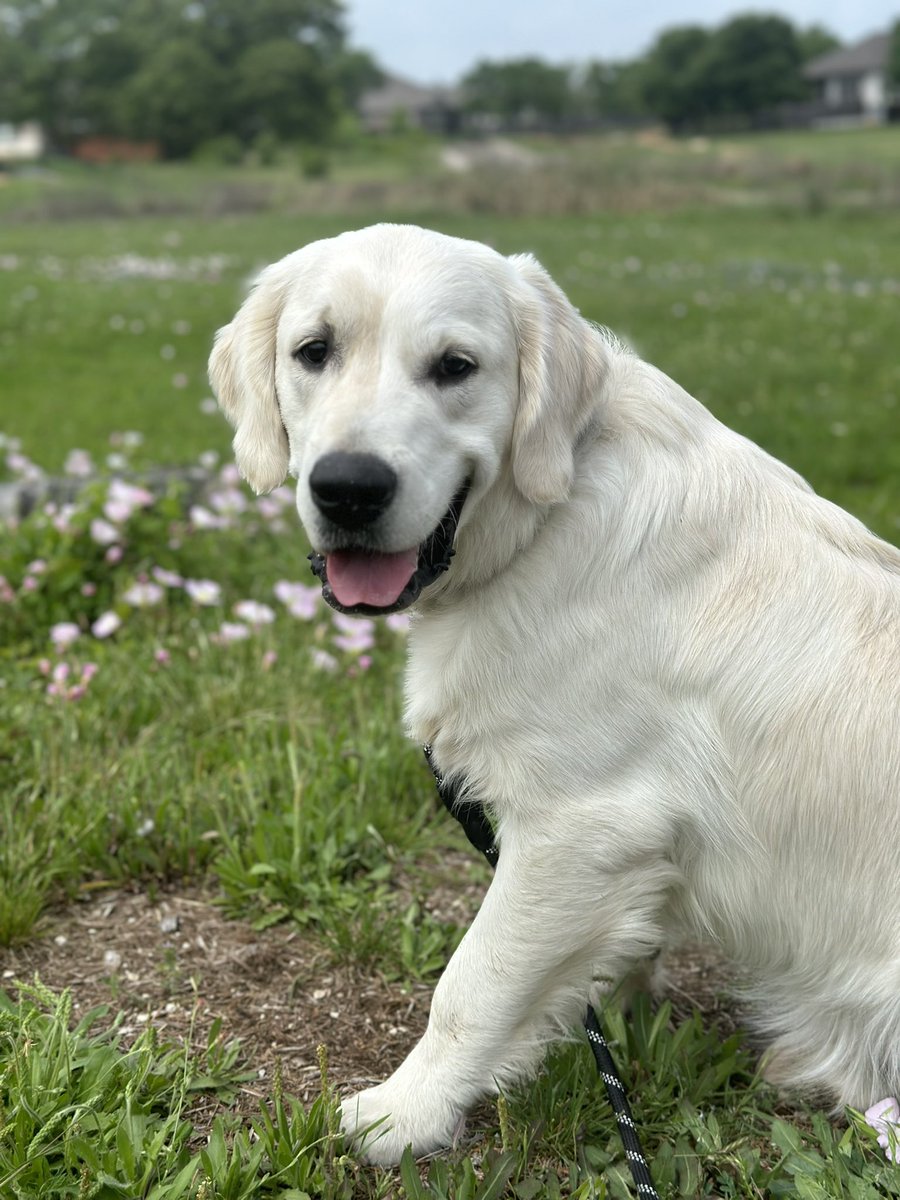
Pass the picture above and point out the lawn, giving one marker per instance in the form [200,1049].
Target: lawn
[211,827]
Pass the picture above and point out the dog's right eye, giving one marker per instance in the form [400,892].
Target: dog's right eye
[312,353]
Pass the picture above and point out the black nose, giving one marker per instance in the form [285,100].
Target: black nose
[352,490]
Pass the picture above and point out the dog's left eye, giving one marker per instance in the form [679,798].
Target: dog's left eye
[454,366]
[312,353]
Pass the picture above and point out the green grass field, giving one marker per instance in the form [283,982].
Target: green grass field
[195,740]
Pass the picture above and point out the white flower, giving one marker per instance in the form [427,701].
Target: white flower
[884,1118]
[398,622]
[103,532]
[143,595]
[202,518]
[203,591]
[324,661]
[106,625]
[78,463]
[254,613]
[228,501]
[232,631]
[64,634]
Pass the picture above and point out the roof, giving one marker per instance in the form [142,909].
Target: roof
[399,94]
[868,55]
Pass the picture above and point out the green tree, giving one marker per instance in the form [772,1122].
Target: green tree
[611,91]
[19,75]
[284,87]
[519,91]
[172,70]
[175,98]
[815,41]
[673,76]
[752,63]
[357,72]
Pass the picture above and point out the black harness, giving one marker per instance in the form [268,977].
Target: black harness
[480,832]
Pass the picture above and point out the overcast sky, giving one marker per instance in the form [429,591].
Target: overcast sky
[437,41]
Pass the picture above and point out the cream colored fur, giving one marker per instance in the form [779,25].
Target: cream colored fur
[671,670]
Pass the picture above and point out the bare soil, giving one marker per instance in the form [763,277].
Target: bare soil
[176,961]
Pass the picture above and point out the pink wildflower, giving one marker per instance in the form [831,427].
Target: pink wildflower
[62,518]
[301,600]
[269,659]
[123,498]
[114,555]
[168,579]
[355,635]
[162,656]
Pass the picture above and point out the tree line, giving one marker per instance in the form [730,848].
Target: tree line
[179,72]
[691,78]
[183,73]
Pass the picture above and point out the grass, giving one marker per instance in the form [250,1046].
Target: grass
[271,769]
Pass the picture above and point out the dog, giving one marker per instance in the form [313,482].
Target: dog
[668,668]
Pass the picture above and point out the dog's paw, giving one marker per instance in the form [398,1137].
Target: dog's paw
[382,1121]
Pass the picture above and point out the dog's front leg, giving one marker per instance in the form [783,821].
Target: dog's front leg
[522,973]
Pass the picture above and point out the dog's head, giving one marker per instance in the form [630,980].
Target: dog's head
[395,372]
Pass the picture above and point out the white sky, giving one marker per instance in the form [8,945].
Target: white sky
[437,41]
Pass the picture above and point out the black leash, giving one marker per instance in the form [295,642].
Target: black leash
[480,832]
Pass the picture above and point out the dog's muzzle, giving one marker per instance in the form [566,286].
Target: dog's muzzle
[431,560]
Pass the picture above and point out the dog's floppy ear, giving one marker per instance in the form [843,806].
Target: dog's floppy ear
[561,368]
[242,375]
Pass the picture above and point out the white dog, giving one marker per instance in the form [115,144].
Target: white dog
[670,669]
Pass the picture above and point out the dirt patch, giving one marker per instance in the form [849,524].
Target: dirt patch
[176,961]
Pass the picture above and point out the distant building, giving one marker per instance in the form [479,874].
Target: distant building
[852,85]
[101,150]
[20,143]
[397,104]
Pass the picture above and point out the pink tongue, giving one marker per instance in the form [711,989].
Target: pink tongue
[375,579]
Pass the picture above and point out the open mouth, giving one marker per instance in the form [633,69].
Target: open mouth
[363,582]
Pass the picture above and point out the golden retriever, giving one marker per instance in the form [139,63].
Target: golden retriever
[668,668]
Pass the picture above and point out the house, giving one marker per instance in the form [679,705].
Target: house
[852,85]
[397,104]
[20,143]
